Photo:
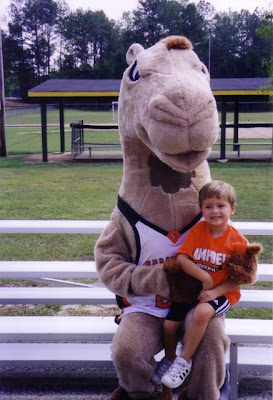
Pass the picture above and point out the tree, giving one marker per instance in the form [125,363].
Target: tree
[45,39]
[30,42]
[236,48]
[18,70]
[90,41]
[265,33]
[155,19]
[40,32]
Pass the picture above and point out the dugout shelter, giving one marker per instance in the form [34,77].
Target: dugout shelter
[97,91]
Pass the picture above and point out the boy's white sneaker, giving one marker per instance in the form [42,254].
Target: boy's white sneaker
[177,373]
[161,368]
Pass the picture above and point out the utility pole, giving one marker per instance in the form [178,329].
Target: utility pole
[3,144]
[209,51]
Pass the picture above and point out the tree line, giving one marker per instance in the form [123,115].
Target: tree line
[45,39]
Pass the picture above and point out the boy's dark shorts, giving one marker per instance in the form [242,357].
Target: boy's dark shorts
[179,311]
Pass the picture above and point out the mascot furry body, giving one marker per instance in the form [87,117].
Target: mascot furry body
[168,121]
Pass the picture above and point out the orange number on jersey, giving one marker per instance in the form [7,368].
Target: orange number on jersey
[161,302]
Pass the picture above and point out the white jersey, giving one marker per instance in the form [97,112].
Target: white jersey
[154,246]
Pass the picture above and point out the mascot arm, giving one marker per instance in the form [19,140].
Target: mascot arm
[117,271]
[114,254]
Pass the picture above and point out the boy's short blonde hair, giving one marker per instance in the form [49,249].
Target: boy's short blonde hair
[219,190]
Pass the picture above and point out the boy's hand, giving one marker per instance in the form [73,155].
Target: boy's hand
[206,295]
[207,282]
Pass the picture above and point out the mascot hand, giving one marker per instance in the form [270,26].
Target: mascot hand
[183,287]
[171,266]
[242,267]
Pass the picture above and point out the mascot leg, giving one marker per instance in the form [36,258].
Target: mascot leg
[209,367]
[137,340]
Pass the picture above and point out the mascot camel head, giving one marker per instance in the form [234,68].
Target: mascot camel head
[168,121]
[166,103]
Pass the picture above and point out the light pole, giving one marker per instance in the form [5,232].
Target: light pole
[3,145]
[209,51]
[209,29]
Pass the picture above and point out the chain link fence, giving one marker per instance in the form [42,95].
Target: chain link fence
[247,137]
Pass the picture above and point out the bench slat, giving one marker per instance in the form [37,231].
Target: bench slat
[256,299]
[48,269]
[68,226]
[254,228]
[90,145]
[85,328]
[50,352]
[101,295]
[60,295]
[77,269]
[62,328]
[52,226]
[86,354]
[265,272]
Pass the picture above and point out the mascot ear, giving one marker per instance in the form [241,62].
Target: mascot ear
[205,71]
[132,52]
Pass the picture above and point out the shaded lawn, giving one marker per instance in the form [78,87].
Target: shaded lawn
[89,191]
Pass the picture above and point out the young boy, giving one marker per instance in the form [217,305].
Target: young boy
[202,256]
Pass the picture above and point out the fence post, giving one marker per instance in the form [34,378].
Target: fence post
[272,146]
[236,121]
[44,131]
[62,136]
[223,130]
[3,142]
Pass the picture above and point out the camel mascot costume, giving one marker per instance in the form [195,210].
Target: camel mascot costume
[167,121]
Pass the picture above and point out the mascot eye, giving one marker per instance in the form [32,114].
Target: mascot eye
[134,75]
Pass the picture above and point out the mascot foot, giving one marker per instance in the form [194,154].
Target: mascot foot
[183,394]
[119,394]
[166,394]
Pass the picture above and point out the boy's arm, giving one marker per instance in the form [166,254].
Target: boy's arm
[188,266]
[225,287]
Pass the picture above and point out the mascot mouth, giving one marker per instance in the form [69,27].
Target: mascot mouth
[184,162]
[179,161]
[180,141]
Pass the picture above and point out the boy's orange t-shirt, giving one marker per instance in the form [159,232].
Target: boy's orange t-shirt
[210,253]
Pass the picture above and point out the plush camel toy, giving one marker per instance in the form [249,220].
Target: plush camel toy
[241,268]
[167,121]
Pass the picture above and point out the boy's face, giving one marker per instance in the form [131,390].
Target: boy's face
[217,212]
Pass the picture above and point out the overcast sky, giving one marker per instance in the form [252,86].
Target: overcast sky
[114,9]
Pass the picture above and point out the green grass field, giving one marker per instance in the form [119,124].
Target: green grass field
[89,191]
[24,131]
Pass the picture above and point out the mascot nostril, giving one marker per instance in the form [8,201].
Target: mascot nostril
[165,147]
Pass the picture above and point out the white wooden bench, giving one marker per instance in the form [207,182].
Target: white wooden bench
[253,145]
[86,226]
[100,295]
[79,130]
[37,340]
[77,269]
